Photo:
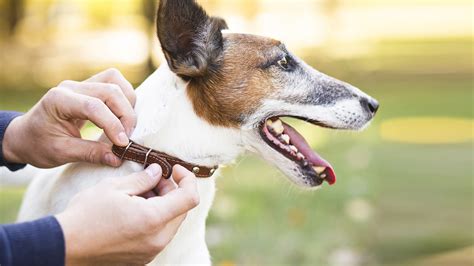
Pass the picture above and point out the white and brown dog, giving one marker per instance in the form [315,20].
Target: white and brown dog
[220,94]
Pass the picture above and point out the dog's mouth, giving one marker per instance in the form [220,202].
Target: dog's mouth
[287,141]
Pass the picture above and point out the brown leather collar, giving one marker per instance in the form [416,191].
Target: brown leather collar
[146,156]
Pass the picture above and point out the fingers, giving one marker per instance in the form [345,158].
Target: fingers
[180,200]
[142,182]
[149,194]
[91,152]
[112,95]
[78,106]
[164,187]
[114,76]
[174,225]
[167,233]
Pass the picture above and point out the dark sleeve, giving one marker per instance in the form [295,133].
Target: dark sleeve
[5,119]
[40,242]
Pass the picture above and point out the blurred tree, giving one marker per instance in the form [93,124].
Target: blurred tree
[149,12]
[14,12]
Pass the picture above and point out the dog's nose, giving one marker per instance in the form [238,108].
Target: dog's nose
[370,104]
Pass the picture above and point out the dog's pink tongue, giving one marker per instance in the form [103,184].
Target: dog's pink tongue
[299,142]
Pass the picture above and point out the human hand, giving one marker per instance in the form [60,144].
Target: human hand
[49,134]
[110,224]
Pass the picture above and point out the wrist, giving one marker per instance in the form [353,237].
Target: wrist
[71,239]
[11,141]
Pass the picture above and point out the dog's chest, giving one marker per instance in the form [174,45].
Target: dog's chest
[189,247]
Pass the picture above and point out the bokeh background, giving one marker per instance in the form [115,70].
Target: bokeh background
[405,185]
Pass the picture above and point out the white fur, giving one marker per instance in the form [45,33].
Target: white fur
[14,179]
[166,122]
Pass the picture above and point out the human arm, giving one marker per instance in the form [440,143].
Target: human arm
[108,223]
[5,119]
[39,242]
[121,227]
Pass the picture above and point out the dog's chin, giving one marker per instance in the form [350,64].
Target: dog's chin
[300,176]
[296,173]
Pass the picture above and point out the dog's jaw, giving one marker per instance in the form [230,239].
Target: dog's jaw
[167,122]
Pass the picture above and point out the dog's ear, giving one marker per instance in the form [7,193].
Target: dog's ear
[191,40]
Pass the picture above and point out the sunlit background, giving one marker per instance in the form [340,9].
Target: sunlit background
[405,185]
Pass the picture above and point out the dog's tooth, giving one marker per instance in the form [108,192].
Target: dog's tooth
[278,130]
[323,176]
[285,138]
[277,126]
[319,169]
[293,148]
[300,156]
[277,123]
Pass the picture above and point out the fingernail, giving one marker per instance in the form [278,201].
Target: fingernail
[153,170]
[110,159]
[123,138]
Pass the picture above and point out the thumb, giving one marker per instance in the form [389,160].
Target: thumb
[141,182]
[92,152]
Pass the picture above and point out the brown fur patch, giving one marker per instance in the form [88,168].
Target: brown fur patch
[237,88]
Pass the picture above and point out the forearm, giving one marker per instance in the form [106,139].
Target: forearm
[40,242]
[5,119]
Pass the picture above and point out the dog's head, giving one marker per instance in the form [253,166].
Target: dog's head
[248,82]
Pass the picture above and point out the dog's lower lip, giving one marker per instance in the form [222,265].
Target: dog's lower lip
[287,141]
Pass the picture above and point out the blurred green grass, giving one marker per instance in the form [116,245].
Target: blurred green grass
[393,202]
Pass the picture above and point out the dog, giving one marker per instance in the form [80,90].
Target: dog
[219,95]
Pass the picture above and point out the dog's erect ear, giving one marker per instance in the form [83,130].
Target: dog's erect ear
[190,39]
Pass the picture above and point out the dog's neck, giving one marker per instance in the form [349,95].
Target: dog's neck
[167,122]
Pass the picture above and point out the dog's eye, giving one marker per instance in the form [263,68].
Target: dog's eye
[283,63]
